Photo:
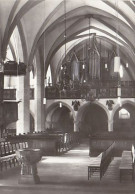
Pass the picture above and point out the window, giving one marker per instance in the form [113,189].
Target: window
[49,76]
[124,114]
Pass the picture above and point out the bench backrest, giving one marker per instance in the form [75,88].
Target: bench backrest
[108,153]
[133,153]
[126,158]
[8,148]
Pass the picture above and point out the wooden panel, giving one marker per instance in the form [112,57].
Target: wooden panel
[113,92]
[47,146]
[15,69]
[99,145]
[128,92]
[1,86]
[9,94]
[104,92]
[10,112]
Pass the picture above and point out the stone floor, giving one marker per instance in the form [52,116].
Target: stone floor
[67,174]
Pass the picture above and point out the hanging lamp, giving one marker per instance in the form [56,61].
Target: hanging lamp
[119,91]
[65,35]
[117,58]
[45,78]
[116,64]
[106,66]
[106,61]
[60,104]
[44,100]
[121,71]
[119,94]
[83,77]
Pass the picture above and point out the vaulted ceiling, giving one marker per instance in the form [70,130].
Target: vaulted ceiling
[41,25]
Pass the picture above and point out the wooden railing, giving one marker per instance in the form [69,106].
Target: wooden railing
[97,89]
[10,94]
[59,142]
[100,141]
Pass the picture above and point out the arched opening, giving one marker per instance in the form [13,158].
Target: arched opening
[124,121]
[60,119]
[93,120]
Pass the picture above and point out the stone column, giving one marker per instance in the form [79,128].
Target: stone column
[1,103]
[1,91]
[110,122]
[75,122]
[23,94]
[110,125]
[39,95]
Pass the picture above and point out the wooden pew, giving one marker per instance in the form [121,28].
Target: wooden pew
[133,154]
[101,162]
[95,166]
[8,155]
[126,166]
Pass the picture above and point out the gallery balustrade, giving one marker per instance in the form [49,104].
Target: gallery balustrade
[95,89]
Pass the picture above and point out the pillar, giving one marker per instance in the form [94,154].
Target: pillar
[1,90]
[110,125]
[75,122]
[110,122]
[23,94]
[39,95]
[1,104]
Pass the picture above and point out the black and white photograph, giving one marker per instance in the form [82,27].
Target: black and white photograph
[67,96]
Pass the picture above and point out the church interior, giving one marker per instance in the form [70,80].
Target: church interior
[67,96]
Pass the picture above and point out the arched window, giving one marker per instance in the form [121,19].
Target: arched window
[124,114]
[32,80]
[49,76]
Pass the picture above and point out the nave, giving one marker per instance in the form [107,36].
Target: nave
[67,174]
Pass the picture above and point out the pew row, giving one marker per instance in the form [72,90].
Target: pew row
[127,164]
[8,155]
[101,162]
[51,144]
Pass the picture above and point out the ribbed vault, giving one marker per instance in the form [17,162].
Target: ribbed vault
[41,24]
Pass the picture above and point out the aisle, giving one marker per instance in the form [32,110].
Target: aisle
[70,168]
